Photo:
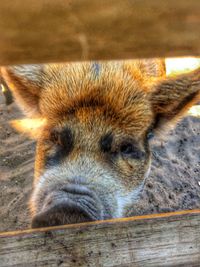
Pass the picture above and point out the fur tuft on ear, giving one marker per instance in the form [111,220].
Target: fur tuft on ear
[25,82]
[172,97]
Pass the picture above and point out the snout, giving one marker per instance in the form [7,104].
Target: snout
[71,203]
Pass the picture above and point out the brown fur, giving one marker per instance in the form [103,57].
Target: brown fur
[128,99]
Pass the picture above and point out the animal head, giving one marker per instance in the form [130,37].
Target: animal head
[92,122]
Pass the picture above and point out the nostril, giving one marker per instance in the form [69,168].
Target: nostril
[62,212]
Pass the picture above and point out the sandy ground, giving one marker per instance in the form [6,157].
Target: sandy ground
[174,182]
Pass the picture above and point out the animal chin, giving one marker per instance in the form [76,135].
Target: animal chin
[71,204]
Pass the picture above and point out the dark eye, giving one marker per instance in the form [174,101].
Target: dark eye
[130,150]
[63,144]
[106,142]
[126,148]
[62,138]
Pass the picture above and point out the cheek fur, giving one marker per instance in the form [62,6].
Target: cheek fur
[124,200]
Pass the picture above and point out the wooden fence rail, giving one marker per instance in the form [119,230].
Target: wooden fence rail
[37,31]
[169,239]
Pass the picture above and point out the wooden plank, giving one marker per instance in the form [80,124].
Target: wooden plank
[170,239]
[47,30]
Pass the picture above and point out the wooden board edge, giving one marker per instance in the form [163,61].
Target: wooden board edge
[111,221]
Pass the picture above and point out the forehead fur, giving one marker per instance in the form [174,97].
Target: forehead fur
[115,91]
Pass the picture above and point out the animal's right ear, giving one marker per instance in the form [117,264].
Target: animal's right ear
[172,97]
[25,82]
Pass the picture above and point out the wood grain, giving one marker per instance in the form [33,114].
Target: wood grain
[170,239]
[37,31]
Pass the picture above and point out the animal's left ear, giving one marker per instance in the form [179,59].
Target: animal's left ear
[25,82]
[172,97]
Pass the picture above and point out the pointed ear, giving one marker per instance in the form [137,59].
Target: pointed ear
[172,97]
[25,82]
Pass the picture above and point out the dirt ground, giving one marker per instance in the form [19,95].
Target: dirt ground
[174,182]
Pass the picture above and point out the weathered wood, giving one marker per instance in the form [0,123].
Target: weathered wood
[47,30]
[170,239]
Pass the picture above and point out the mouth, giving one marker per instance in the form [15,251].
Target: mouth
[70,204]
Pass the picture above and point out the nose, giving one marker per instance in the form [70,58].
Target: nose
[72,203]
